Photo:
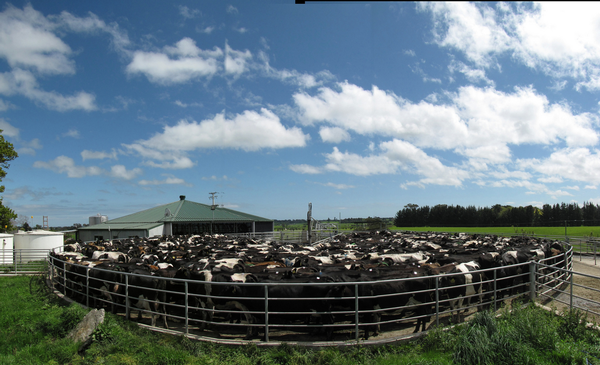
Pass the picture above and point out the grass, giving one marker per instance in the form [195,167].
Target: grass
[579,231]
[34,326]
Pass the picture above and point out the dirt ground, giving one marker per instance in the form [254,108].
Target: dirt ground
[582,266]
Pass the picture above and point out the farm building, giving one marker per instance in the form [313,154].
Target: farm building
[177,218]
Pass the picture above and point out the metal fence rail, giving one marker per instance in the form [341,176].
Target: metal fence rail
[236,312]
[290,236]
[22,261]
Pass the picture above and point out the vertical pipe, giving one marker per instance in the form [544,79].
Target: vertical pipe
[571,294]
[64,279]
[127,296]
[356,312]
[87,286]
[186,309]
[437,302]
[495,291]
[266,313]
[532,268]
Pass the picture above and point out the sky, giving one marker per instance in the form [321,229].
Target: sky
[358,108]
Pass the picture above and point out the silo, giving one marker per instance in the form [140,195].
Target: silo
[33,245]
[6,258]
[98,219]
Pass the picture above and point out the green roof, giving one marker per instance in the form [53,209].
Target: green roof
[120,226]
[180,211]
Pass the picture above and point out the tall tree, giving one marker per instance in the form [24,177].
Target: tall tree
[7,154]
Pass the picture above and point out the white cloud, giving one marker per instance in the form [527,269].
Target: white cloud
[470,28]
[120,172]
[473,75]
[232,9]
[303,80]
[557,38]
[8,130]
[29,148]
[579,164]
[64,164]
[479,123]
[249,131]
[336,186]
[169,180]
[416,161]
[354,164]
[206,30]
[550,179]
[236,62]
[24,83]
[215,178]
[27,41]
[334,135]
[306,169]
[188,13]
[98,155]
[73,133]
[188,62]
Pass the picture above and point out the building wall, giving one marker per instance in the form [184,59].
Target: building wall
[264,226]
[105,234]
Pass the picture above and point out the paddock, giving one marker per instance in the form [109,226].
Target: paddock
[267,311]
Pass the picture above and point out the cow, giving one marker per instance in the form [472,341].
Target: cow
[462,284]
[378,294]
[147,293]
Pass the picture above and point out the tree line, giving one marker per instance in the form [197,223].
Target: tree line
[443,215]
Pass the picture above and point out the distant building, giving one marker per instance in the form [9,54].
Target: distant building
[177,218]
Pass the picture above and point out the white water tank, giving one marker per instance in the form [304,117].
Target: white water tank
[6,253]
[35,244]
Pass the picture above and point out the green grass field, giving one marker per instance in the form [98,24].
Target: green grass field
[578,231]
[571,231]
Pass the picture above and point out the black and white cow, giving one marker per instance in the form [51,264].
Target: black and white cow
[461,285]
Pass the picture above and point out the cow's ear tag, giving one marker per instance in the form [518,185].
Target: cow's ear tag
[452,281]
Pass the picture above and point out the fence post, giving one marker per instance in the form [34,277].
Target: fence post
[356,312]
[127,296]
[65,279]
[437,301]
[571,294]
[495,291]
[532,282]
[266,313]
[87,286]
[186,309]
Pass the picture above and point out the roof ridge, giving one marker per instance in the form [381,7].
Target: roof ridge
[181,202]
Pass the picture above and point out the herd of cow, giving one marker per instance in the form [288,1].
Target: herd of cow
[366,278]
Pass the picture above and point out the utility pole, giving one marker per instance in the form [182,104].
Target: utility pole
[212,207]
[309,221]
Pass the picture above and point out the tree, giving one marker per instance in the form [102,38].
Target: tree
[7,154]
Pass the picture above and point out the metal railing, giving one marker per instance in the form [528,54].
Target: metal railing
[22,261]
[302,311]
[289,236]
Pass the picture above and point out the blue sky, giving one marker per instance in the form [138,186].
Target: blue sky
[359,108]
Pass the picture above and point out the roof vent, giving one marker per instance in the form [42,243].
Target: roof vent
[182,197]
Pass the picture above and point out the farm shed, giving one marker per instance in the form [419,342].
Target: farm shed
[177,218]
